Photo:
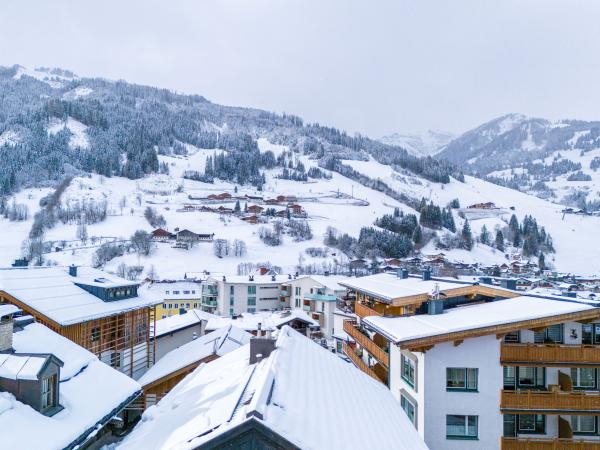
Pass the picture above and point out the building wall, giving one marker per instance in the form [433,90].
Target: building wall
[482,353]
[266,295]
[170,341]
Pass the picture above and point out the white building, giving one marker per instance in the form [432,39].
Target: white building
[284,393]
[318,295]
[233,295]
[510,373]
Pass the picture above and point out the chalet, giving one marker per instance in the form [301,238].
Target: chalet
[253,219]
[487,205]
[222,196]
[161,234]
[281,213]
[253,197]
[291,198]
[224,210]
[189,237]
[281,198]
[265,395]
[272,201]
[296,209]
[53,393]
[179,362]
[111,317]
[255,209]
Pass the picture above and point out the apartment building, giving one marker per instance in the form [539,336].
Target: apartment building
[178,297]
[486,368]
[234,295]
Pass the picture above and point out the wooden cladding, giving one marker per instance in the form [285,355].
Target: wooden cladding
[550,354]
[358,362]
[363,310]
[548,444]
[375,350]
[575,402]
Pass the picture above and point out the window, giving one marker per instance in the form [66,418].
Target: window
[231,301]
[48,392]
[513,336]
[531,376]
[339,346]
[510,425]
[170,305]
[115,359]
[193,291]
[164,316]
[297,303]
[408,370]
[297,290]
[166,292]
[408,407]
[231,311]
[164,305]
[583,378]
[531,423]
[461,379]
[175,292]
[251,310]
[584,424]
[251,290]
[186,292]
[187,305]
[590,334]
[252,301]
[552,334]
[95,334]
[510,377]
[461,427]
[231,290]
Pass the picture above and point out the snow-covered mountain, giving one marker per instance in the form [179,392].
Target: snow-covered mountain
[427,143]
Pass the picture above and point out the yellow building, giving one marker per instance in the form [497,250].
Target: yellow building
[177,296]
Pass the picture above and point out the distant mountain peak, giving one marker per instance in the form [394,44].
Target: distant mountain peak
[420,144]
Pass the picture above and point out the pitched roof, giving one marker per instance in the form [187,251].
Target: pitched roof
[267,320]
[283,393]
[51,291]
[219,342]
[473,317]
[90,392]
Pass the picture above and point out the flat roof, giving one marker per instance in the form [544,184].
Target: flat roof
[51,291]
[472,317]
[389,286]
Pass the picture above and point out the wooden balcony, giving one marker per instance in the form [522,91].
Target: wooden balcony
[577,402]
[375,350]
[362,310]
[548,444]
[550,354]
[358,362]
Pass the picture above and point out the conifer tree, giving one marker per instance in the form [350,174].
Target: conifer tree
[466,236]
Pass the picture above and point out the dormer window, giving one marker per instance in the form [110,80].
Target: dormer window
[49,391]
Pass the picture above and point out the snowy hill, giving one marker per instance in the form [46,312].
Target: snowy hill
[420,144]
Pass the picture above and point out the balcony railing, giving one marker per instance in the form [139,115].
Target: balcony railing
[548,444]
[545,354]
[362,310]
[375,350]
[548,401]
[358,362]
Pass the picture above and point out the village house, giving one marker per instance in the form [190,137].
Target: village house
[111,317]
[253,219]
[221,196]
[174,331]
[173,366]
[54,393]
[189,237]
[178,296]
[259,396]
[162,235]
[486,205]
[255,209]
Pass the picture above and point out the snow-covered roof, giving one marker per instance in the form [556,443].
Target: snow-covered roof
[267,320]
[256,279]
[21,367]
[179,321]
[219,342]
[329,281]
[312,412]
[90,392]
[52,292]
[389,286]
[7,310]
[471,317]
[185,290]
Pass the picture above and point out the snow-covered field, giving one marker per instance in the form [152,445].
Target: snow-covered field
[327,202]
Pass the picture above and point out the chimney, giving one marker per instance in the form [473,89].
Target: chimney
[509,283]
[73,270]
[224,278]
[6,334]
[485,280]
[426,273]
[435,305]
[273,278]
[402,273]
[327,273]
[260,348]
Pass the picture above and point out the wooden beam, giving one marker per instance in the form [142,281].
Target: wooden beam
[500,329]
[458,342]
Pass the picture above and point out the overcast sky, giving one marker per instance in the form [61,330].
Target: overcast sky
[373,67]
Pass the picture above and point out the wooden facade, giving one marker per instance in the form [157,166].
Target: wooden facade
[124,341]
[553,401]
[510,443]
[358,362]
[365,342]
[550,355]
